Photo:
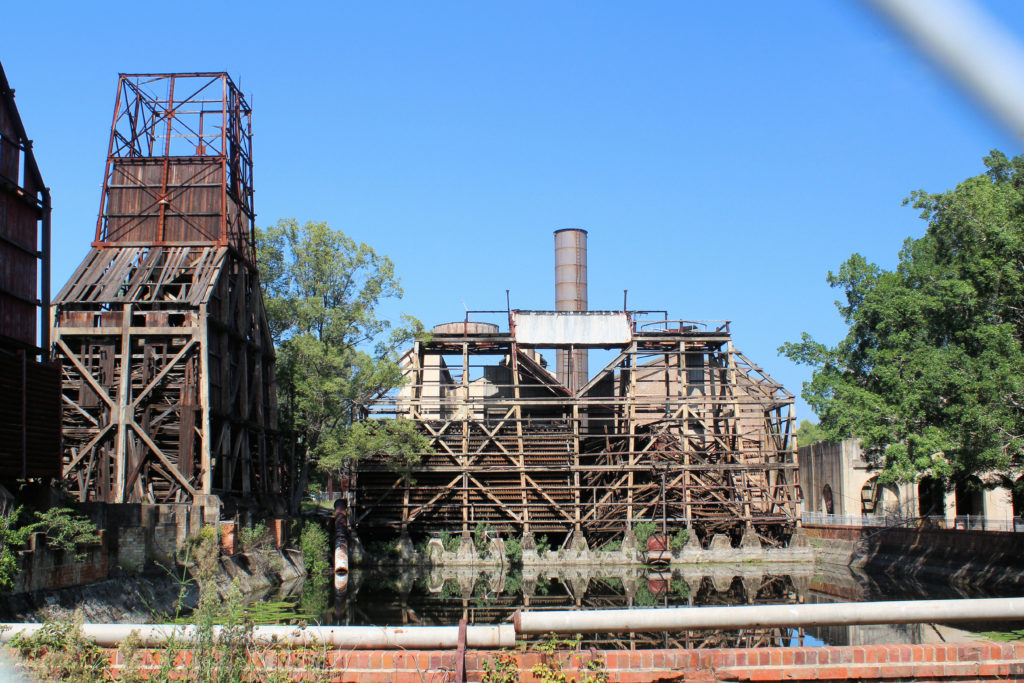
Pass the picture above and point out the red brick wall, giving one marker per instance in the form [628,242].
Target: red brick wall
[962,662]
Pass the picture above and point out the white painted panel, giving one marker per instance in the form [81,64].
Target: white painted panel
[566,327]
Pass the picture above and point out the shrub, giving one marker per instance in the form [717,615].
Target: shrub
[59,652]
[202,552]
[543,544]
[256,537]
[550,669]
[642,531]
[12,537]
[679,539]
[514,550]
[65,529]
[504,669]
[450,542]
[315,549]
[481,537]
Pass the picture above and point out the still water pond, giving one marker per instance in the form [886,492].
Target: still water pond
[443,596]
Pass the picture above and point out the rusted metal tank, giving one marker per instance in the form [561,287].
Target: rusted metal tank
[657,549]
[466,328]
[571,295]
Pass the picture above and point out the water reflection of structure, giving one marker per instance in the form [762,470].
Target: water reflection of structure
[447,595]
[848,585]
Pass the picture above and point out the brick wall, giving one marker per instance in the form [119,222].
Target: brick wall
[42,567]
[962,662]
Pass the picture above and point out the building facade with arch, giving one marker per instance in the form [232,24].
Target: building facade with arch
[837,479]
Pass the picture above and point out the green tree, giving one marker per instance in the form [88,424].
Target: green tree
[931,372]
[334,353]
[809,432]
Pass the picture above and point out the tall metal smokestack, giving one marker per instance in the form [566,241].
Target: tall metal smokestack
[571,295]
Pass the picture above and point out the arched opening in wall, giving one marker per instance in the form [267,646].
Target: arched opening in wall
[826,499]
[870,494]
[931,498]
[877,498]
[970,500]
[1017,496]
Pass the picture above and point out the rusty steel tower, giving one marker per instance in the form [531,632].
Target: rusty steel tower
[168,364]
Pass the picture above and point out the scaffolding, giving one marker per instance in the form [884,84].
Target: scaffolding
[679,429]
[168,363]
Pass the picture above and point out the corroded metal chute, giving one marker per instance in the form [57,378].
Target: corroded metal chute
[571,295]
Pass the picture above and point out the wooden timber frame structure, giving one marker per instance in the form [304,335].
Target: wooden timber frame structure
[168,363]
[29,382]
[679,429]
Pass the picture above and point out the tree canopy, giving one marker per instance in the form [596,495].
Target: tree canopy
[931,372]
[322,291]
[809,433]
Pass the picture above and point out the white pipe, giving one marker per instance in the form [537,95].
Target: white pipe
[583,621]
[343,637]
[975,50]
[748,616]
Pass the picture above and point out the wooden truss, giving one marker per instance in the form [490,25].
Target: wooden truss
[168,377]
[168,365]
[679,428]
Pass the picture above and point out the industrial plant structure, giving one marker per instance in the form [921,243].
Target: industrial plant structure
[168,364]
[30,383]
[679,428]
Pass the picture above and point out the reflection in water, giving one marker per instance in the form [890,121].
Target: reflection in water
[447,595]
[443,596]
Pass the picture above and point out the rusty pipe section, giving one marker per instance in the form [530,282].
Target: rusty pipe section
[571,295]
[340,545]
[754,616]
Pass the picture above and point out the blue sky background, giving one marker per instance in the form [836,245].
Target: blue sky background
[723,156]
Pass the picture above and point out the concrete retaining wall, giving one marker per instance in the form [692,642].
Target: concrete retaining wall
[992,559]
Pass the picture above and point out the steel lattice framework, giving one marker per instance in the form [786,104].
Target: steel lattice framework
[168,365]
[679,428]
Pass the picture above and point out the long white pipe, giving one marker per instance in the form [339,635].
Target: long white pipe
[748,616]
[582,621]
[343,637]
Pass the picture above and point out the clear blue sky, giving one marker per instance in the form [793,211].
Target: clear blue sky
[723,156]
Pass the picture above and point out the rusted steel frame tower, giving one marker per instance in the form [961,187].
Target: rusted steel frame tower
[30,384]
[168,383]
[680,429]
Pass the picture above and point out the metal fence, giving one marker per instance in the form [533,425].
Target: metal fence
[965,522]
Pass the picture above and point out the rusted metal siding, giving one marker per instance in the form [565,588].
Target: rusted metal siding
[21,212]
[29,418]
[179,166]
[29,384]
